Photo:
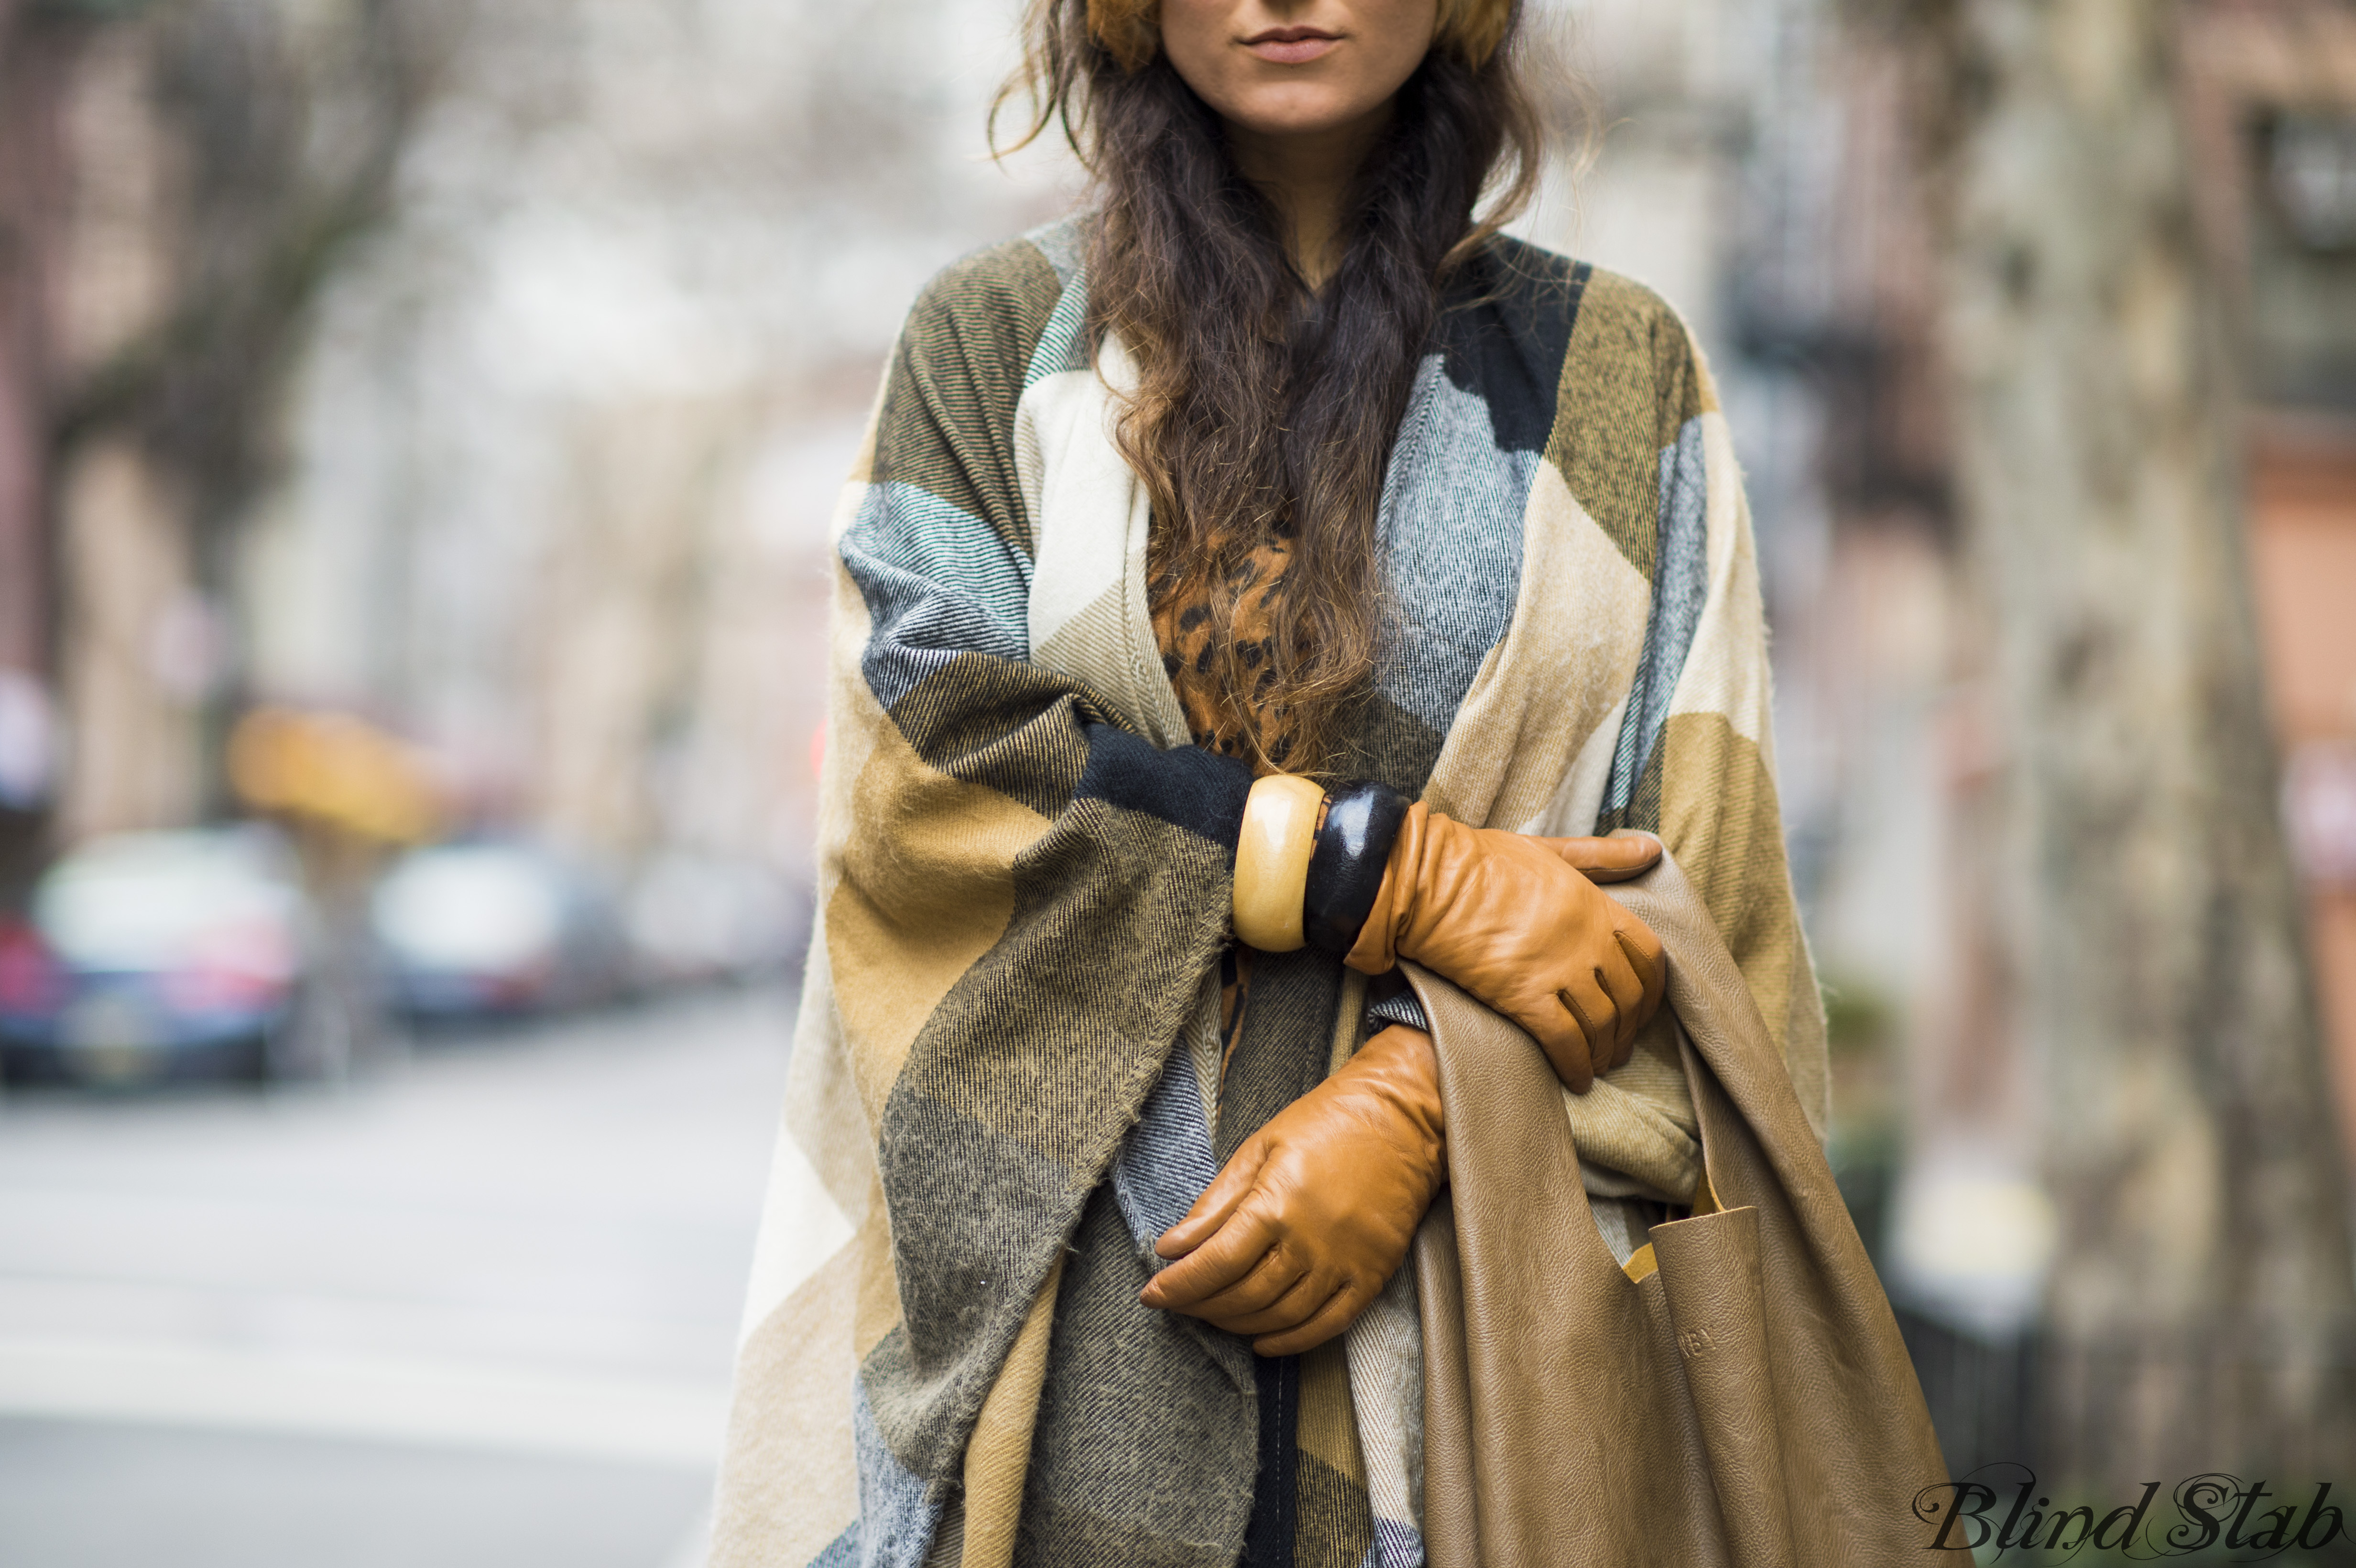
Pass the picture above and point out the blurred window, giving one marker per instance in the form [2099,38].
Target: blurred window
[2303,262]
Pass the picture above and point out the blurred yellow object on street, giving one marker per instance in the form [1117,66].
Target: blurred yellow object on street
[333,770]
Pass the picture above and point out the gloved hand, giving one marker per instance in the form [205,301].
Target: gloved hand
[1314,1212]
[1519,923]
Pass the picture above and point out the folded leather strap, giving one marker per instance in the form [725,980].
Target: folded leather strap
[1345,868]
[1272,855]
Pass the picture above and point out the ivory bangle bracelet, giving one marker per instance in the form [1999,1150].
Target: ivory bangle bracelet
[1279,832]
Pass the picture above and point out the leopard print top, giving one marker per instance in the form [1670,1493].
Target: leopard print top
[1182,626]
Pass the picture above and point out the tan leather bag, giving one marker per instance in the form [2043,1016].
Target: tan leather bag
[1737,1395]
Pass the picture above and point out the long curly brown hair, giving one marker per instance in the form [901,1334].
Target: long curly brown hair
[1264,410]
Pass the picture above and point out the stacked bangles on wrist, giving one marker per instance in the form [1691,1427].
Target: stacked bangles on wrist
[1309,865]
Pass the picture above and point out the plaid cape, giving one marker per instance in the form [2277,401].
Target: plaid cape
[1006,1078]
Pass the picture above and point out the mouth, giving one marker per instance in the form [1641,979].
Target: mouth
[1292,46]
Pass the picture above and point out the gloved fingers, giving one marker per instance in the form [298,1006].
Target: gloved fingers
[1298,1302]
[1273,1276]
[1649,959]
[1589,994]
[1614,859]
[1230,1188]
[1619,979]
[1240,1246]
[1339,1312]
[1563,1035]
[1653,969]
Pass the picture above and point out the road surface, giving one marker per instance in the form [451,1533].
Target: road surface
[478,1308]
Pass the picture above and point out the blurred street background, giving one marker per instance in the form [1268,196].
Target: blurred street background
[419,424]
[482,1313]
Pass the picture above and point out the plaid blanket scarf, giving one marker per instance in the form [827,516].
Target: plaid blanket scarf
[1007,1078]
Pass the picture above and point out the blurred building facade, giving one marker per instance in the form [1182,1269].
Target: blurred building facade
[502,398]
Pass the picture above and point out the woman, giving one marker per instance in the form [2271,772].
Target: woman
[1240,581]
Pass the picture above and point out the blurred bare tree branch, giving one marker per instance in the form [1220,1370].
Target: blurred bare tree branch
[293,132]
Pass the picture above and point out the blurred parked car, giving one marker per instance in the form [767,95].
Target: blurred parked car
[155,956]
[710,918]
[492,927]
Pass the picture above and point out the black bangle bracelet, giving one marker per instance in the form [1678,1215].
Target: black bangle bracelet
[1346,867]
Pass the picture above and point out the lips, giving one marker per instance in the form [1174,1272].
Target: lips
[1291,45]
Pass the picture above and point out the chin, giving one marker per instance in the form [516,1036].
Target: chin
[1296,111]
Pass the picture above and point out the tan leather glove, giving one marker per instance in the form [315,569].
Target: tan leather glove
[1519,922]
[1314,1212]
